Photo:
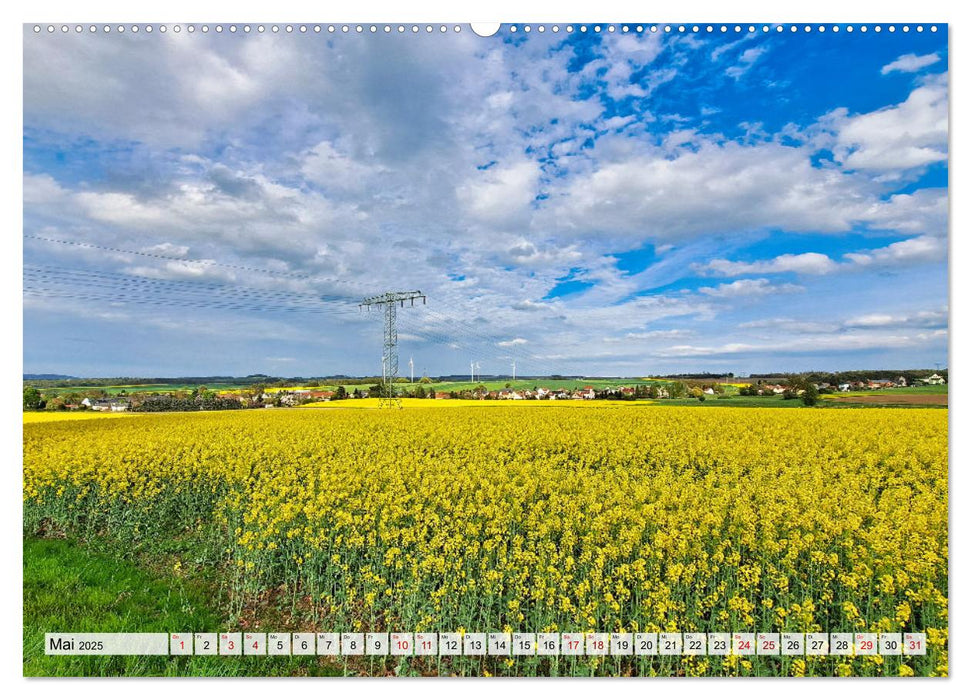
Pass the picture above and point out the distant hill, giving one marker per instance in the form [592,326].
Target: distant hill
[46,377]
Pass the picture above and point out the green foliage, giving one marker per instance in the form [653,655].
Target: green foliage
[32,398]
[810,394]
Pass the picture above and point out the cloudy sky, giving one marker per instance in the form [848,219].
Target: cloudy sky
[611,204]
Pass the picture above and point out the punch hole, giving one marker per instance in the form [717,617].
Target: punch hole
[485,29]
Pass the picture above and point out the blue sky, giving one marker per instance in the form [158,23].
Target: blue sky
[599,203]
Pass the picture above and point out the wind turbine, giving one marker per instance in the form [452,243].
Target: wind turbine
[472,370]
[411,364]
[514,370]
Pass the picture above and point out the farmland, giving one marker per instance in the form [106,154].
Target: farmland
[627,517]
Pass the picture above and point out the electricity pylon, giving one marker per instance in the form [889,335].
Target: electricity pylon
[390,301]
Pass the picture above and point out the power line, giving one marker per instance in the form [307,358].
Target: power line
[50,281]
[160,256]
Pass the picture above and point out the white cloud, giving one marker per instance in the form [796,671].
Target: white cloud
[749,288]
[910,63]
[745,62]
[512,343]
[666,334]
[922,249]
[923,212]
[839,342]
[803,263]
[328,167]
[912,134]
[501,194]
[922,319]
[673,193]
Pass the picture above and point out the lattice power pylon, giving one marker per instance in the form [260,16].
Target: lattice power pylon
[390,301]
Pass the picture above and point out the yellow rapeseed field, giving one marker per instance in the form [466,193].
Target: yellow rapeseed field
[60,416]
[612,518]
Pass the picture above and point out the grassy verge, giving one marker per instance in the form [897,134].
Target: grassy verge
[69,589]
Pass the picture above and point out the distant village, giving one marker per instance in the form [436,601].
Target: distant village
[258,396]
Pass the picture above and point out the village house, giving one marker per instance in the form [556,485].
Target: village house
[934,379]
[881,384]
[112,405]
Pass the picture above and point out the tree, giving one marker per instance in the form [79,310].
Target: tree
[340,394]
[424,380]
[810,394]
[32,398]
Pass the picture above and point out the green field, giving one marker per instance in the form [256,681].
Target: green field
[935,389]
